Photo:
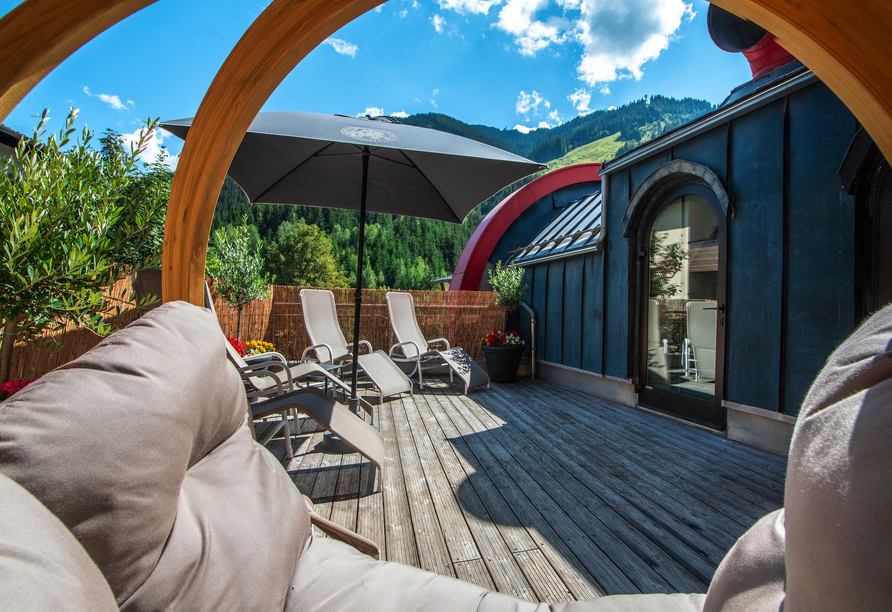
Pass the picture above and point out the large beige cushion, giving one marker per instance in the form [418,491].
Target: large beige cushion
[42,567]
[839,480]
[141,448]
[830,548]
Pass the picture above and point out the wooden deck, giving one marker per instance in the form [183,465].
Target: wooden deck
[544,493]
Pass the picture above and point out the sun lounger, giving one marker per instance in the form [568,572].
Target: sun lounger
[330,346]
[417,351]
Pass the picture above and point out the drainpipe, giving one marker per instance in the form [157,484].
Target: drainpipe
[532,339]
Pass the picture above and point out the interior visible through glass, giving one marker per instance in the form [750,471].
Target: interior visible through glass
[682,299]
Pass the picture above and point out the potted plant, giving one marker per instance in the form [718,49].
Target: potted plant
[502,351]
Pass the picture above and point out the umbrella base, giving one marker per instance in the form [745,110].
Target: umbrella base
[333,444]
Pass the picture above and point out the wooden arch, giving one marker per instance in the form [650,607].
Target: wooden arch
[845,42]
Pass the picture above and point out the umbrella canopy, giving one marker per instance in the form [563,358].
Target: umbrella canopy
[365,164]
[312,159]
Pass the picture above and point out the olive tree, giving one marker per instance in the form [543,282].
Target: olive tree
[71,225]
[236,269]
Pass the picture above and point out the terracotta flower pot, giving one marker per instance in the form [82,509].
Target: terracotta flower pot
[502,362]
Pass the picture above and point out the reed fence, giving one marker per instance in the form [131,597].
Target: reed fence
[462,317]
[33,360]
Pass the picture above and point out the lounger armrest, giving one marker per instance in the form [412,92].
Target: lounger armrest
[444,340]
[361,342]
[249,373]
[271,356]
[400,344]
[336,532]
[316,347]
[268,368]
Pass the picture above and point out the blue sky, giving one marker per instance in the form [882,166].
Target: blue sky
[503,63]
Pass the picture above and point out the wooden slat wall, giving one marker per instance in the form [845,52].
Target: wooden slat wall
[820,244]
[462,317]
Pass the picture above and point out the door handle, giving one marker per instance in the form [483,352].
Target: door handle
[720,308]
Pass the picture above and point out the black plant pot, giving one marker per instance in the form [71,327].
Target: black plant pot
[502,362]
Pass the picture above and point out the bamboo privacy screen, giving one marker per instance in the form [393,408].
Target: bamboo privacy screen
[31,361]
[462,317]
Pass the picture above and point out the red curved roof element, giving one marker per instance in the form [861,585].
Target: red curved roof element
[473,260]
[766,55]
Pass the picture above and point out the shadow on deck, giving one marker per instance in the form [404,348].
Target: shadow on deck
[544,493]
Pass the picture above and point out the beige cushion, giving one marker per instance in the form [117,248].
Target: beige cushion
[141,449]
[333,577]
[42,567]
[839,480]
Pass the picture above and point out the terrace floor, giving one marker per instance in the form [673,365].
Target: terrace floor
[544,493]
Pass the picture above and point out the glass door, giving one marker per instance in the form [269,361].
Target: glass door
[683,310]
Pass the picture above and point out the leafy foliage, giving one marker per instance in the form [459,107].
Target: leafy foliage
[508,281]
[236,269]
[302,255]
[665,262]
[72,222]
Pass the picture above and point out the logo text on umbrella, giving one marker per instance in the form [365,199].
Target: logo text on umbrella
[368,134]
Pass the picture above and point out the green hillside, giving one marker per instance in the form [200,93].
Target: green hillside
[599,151]
[403,252]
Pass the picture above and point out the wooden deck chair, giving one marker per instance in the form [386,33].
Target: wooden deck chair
[417,351]
[330,346]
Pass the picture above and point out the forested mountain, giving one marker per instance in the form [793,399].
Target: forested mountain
[404,252]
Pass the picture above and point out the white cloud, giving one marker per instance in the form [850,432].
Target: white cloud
[379,8]
[544,124]
[581,98]
[414,4]
[619,37]
[555,117]
[531,35]
[403,13]
[112,101]
[611,108]
[479,7]
[371,111]
[605,89]
[399,114]
[527,103]
[438,22]
[342,46]
[152,148]
[523,129]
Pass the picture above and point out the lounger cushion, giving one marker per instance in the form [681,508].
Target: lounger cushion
[839,480]
[141,448]
[333,577]
[42,567]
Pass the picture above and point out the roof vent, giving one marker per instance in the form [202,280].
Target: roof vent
[736,35]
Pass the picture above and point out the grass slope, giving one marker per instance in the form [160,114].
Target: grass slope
[598,151]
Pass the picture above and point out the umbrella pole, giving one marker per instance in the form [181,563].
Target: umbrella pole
[354,399]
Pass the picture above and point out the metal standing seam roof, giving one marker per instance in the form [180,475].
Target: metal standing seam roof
[576,227]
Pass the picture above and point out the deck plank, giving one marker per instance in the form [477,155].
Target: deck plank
[542,492]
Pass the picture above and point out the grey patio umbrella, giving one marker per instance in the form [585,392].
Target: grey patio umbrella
[366,164]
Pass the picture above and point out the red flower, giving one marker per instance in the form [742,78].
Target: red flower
[238,346]
[10,387]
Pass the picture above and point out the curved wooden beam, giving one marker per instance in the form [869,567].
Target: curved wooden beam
[280,37]
[37,35]
[847,43]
